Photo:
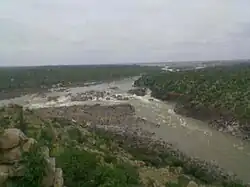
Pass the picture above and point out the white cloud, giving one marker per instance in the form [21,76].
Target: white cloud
[83,31]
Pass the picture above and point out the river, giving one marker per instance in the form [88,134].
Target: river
[193,137]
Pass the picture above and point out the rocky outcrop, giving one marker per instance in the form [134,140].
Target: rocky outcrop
[120,97]
[11,138]
[192,184]
[138,91]
[13,145]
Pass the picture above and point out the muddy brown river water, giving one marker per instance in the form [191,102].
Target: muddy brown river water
[193,137]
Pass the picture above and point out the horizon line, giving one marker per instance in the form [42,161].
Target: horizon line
[128,63]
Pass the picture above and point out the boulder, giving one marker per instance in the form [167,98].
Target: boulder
[119,97]
[11,170]
[6,169]
[178,170]
[52,163]
[49,177]
[45,151]
[192,184]
[138,91]
[18,171]
[13,143]
[11,138]
[58,181]
[11,156]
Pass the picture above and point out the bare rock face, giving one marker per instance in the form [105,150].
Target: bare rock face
[13,143]
[48,180]
[5,169]
[11,156]
[138,91]
[11,138]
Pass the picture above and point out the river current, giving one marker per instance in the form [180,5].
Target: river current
[193,137]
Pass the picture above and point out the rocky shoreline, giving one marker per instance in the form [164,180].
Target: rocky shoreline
[98,95]
[160,153]
[222,123]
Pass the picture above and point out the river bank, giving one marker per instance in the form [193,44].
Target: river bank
[225,123]
[120,123]
[218,96]
[220,122]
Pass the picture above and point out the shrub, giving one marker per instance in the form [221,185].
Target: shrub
[21,122]
[76,134]
[48,136]
[83,169]
[34,170]
[172,184]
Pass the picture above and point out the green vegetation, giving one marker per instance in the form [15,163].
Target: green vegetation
[85,169]
[22,123]
[34,171]
[96,159]
[12,79]
[209,93]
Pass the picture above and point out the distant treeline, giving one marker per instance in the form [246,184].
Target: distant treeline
[12,78]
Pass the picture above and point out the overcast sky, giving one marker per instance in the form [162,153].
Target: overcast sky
[38,32]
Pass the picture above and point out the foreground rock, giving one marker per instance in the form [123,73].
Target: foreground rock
[13,146]
[11,138]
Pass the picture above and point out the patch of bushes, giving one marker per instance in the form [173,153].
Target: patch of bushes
[173,184]
[85,169]
[75,133]
[158,157]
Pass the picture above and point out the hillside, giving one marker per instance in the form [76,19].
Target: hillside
[90,154]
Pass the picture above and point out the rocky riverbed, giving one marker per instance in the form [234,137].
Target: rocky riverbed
[223,123]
